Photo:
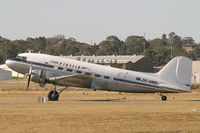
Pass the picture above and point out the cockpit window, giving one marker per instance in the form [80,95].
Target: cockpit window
[23,58]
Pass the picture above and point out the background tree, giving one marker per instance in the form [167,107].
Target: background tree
[110,46]
[158,50]
[136,44]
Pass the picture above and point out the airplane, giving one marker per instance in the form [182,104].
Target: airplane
[174,77]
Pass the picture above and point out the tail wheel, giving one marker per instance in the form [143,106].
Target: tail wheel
[53,96]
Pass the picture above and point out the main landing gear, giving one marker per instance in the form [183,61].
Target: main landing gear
[54,95]
[164,98]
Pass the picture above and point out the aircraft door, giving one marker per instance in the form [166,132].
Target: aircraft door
[120,84]
[121,76]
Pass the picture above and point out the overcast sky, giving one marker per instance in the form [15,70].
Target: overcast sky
[93,20]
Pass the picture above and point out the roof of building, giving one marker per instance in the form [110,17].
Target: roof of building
[120,59]
[190,44]
[57,45]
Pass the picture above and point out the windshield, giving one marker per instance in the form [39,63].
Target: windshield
[23,58]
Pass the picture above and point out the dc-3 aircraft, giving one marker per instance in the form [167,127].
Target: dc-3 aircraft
[174,77]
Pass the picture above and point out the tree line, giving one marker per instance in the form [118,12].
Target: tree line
[159,50]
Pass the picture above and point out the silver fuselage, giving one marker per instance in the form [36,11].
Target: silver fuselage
[103,77]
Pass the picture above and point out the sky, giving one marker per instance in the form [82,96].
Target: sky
[91,21]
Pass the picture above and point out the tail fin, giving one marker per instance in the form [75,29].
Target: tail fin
[178,70]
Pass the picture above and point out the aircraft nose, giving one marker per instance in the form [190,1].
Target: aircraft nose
[8,62]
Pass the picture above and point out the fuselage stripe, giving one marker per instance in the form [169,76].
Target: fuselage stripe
[132,82]
[70,70]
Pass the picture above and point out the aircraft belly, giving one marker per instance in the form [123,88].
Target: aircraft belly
[102,84]
[134,88]
[112,85]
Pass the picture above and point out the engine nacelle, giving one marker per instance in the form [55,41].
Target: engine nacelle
[38,76]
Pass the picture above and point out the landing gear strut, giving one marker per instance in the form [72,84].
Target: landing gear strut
[54,95]
[164,98]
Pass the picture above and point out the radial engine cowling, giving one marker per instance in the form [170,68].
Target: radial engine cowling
[38,76]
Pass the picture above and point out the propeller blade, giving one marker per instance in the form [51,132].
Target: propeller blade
[29,79]
[30,71]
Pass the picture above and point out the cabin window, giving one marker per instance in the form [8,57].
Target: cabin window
[97,75]
[60,68]
[88,73]
[69,70]
[106,77]
[79,71]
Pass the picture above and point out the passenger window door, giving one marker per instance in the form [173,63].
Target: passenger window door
[121,76]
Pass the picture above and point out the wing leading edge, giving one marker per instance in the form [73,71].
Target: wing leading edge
[76,80]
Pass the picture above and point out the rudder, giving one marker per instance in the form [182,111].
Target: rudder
[178,70]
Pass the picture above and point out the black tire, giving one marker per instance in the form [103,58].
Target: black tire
[53,96]
[164,98]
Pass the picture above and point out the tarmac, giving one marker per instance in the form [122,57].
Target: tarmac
[102,101]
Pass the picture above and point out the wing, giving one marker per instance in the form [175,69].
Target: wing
[76,80]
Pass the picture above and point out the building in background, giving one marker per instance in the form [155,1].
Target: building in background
[196,72]
[13,73]
[5,75]
[129,62]
[189,46]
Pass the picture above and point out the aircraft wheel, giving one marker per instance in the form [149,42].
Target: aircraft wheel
[53,96]
[164,98]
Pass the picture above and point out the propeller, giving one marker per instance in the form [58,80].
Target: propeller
[29,77]
[17,77]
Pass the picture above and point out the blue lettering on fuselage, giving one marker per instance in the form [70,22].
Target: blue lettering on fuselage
[146,80]
[137,78]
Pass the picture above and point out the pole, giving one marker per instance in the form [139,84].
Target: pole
[171,51]
[144,43]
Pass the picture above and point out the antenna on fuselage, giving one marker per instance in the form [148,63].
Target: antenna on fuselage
[30,51]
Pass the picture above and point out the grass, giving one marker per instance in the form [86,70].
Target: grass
[98,117]
[88,111]
[195,86]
